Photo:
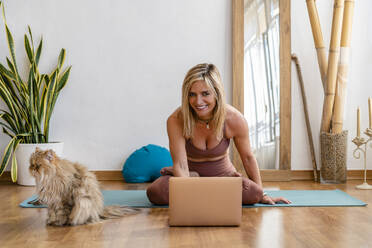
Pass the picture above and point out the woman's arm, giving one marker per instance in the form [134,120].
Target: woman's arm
[177,147]
[241,140]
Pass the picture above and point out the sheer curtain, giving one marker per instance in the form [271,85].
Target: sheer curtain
[261,79]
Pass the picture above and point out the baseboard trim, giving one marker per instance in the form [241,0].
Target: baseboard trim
[109,175]
[309,174]
[275,175]
[267,175]
[101,176]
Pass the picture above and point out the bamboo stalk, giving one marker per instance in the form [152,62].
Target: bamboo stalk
[347,23]
[308,127]
[318,39]
[334,51]
[338,111]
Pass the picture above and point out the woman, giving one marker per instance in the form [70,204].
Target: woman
[199,137]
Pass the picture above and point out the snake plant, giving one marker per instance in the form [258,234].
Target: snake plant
[30,102]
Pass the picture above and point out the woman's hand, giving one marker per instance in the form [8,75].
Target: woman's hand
[194,174]
[168,171]
[234,174]
[273,200]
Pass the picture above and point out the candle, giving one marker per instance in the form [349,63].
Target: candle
[370,112]
[358,122]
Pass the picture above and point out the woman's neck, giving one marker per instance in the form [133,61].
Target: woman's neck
[207,122]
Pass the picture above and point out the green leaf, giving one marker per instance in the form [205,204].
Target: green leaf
[31,105]
[29,52]
[7,133]
[8,127]
[12,51]
[14,169]
[61,58]
[5,95]
[18,84]
[50,94]
[43,97]
[10,65]
[53,103]
[46,81]
[37,121]
[3,11]
[8,118]
[6,72]
[37,95]
[7,154]
[32,39]
[63,79]
[14,79]
[38,51]
[9,84]
[42,78]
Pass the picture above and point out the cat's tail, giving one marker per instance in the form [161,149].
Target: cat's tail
[116,211]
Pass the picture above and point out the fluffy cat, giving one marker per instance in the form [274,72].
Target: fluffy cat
[70,191]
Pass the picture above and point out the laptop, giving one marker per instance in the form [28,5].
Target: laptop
[205,201]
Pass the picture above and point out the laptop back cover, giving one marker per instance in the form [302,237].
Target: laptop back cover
[205,201]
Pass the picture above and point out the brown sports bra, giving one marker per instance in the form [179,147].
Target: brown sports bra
[217,164]
[217,151]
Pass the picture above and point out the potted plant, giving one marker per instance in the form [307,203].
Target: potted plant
[30,104]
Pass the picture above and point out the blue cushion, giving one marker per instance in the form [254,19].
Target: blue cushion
[144,164]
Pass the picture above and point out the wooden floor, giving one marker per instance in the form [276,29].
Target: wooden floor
[262,227]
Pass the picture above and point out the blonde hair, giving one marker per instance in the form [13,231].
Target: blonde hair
[210,75]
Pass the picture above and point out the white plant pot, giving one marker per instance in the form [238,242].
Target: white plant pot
[23,154]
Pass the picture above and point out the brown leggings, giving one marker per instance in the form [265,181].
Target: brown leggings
[158,191]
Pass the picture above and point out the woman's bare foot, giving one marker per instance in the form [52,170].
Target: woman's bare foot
[167,171]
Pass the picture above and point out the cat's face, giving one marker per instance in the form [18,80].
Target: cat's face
[41,163]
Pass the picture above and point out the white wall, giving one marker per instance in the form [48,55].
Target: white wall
[128,61]
[359,87]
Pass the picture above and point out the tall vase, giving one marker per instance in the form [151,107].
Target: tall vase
[333,157]
[23,154]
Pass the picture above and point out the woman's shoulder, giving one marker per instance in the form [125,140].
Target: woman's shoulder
[175,118]
[234,121]
[175,125]
[233,115]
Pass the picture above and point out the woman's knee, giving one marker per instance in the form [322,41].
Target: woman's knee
[252,192]
[158,191]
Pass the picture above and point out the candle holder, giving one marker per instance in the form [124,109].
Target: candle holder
[359,142]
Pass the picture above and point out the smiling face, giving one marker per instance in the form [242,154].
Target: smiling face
[202,100]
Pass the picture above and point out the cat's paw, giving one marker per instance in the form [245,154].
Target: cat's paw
[57,221]
[50,222]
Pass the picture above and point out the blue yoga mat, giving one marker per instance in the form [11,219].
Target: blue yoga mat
[299,198]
